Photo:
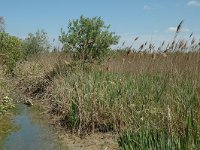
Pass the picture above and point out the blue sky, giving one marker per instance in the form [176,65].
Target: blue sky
[151,20]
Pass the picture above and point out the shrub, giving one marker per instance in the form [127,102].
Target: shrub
[89,38]
[35,43]
[10,48]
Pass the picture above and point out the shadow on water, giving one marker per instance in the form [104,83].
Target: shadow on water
[33,133]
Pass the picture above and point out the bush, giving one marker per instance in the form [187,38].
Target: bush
[89,38]
[35,43]
[10,48]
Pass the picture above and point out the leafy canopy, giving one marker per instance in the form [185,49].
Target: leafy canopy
[10,50]
[88,38]
[35,43]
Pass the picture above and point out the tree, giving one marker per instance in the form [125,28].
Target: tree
[89,38]
[35,43]
[10,49]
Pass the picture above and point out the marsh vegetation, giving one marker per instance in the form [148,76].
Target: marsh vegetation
[149,98]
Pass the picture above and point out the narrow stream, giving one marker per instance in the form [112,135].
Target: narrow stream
[33,133]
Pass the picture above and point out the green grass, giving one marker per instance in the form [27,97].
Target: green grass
[153,139]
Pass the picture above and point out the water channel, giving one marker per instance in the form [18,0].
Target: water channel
[32,132]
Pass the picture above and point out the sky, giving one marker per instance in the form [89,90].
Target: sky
[151,20]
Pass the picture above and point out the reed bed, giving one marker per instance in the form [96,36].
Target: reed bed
[150,103]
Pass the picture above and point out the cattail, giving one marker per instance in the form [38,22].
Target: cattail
[191,34]
[165,51]
[179,27]
[136,38]
[150,46]
[163,43]
[192,42]
[141,47]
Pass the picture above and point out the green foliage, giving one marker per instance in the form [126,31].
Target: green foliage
[35,43]
[10,48]
[89,38]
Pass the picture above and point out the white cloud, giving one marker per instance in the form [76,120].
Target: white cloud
[194,3]
[147,7]
[173,29]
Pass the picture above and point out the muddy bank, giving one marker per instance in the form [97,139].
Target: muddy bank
[96,141]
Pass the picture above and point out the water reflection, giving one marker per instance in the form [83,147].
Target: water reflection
[32,134]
